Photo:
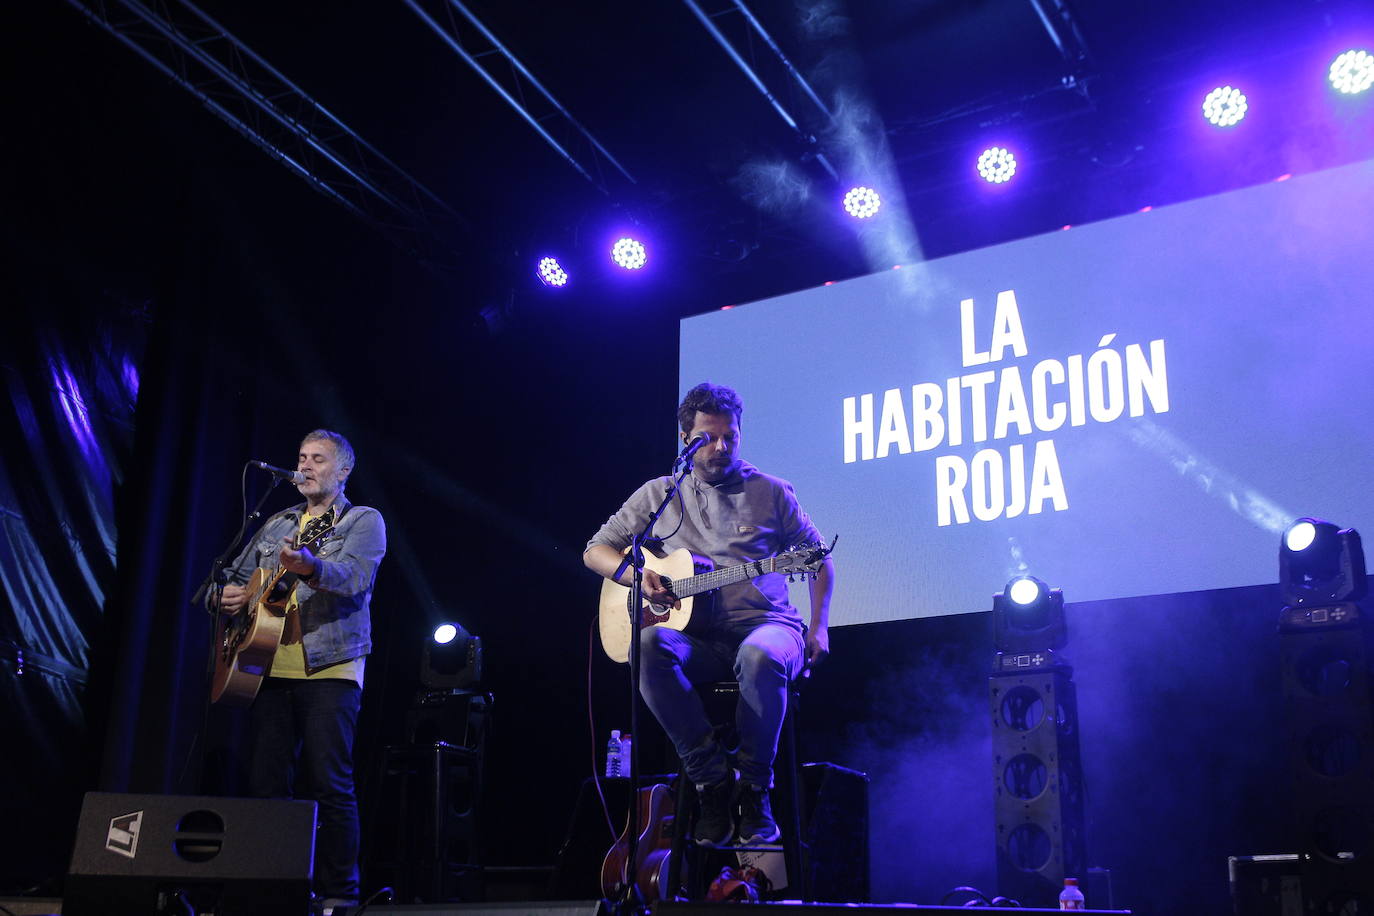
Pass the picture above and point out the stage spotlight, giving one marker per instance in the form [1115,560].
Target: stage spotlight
[861,202]
[1224,106]
[1300,535]
[551,273]
[996,164]
[451,659]
[1320,563]
[1352,71]
[1028,618]
[629,253]
[1025,590]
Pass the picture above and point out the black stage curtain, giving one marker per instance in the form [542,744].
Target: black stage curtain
[70,355]
[255,311]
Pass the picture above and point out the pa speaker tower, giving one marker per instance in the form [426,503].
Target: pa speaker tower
[1037,783]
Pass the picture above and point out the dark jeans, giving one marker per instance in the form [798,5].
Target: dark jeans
[764,660]
[305,729]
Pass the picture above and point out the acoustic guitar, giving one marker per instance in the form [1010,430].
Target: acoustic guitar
[246,642]
[654,846]
[678,570]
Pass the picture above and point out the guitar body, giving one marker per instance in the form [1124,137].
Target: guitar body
[614,617]
[246,642]
[655,844]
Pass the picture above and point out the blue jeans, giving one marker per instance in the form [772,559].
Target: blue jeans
[309,725]
[764,660]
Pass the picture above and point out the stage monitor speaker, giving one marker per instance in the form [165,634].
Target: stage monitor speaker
[836,832]
[138,853]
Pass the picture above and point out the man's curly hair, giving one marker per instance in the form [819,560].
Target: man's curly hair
[708,398]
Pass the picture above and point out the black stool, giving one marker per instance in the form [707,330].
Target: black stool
[793,843]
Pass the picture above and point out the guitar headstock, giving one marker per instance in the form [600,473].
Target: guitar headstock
[315,529]
[803,559]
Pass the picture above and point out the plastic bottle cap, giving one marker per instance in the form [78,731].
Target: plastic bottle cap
[1070,882]
[615,733]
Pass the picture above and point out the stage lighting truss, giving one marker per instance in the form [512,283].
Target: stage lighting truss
[1225,106]
[1028,623]
[551,273]
[861,202]
[1352,72]
[1321,570]
[996,165]
[629,253]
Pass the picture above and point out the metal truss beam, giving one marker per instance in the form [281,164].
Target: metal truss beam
[755,29]
[277,116]
[1062,26]
[475,44]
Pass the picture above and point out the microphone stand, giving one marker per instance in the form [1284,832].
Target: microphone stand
[214,583]
[635,560]
[216,579]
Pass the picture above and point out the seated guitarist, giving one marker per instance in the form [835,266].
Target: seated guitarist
[306,710]
[729,512]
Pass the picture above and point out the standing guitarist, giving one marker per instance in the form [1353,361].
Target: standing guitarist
[729,512]
[306,710]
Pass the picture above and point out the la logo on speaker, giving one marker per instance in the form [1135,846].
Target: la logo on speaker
[123,835]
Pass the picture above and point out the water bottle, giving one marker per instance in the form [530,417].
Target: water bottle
[625,752]
[614,757]
[1071,898]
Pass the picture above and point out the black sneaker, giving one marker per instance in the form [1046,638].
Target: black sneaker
[756,824]
[713,820]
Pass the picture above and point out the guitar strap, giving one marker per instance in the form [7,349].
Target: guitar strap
[291,632]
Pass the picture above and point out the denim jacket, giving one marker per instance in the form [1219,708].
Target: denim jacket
[334,602]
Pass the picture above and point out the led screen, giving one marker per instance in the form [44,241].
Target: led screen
[1133,407]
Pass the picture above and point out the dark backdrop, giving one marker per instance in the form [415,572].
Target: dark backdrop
[251,311]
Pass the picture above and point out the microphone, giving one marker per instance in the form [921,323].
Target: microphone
[280,473]
[699,441]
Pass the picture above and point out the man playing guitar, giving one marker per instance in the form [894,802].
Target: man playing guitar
[311,694]
[729,512]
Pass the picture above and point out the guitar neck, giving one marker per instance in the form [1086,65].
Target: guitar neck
[716,578]
[285,580]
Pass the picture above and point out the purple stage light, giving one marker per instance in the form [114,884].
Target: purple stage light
[629,253]
[861,202]
[1352,72]
[996,164]
[1224,106]
[551,273]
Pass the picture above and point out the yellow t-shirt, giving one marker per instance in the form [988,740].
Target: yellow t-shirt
[289,660]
